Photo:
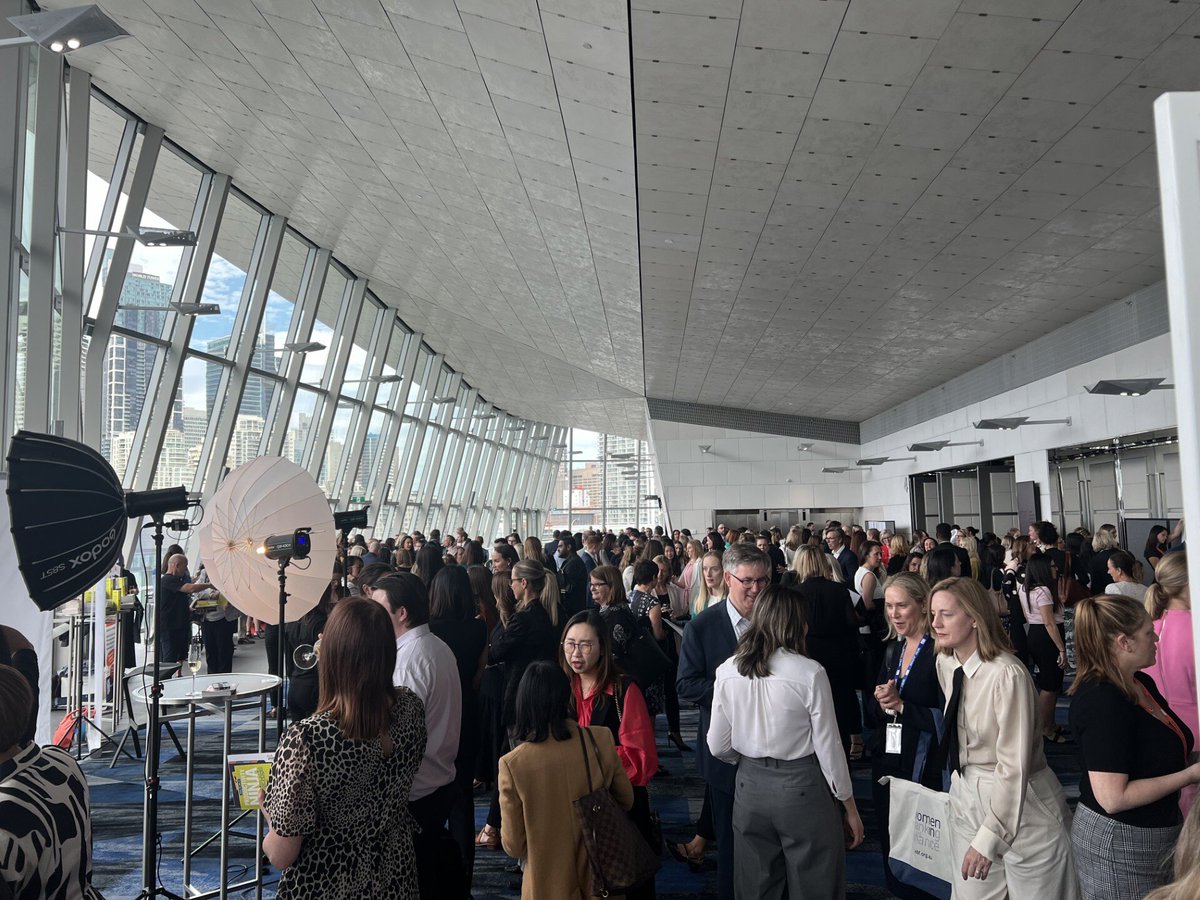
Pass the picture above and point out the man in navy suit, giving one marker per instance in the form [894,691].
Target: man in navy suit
[708,641]
[835,540]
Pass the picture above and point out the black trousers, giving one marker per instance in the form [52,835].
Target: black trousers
[439,863]
[218,645]
[722,815]
[173,643]
[462,822]
[640,814]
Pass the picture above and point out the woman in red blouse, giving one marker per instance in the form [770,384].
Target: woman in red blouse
[600,696]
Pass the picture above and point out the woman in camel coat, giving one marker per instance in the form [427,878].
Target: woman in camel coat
[541,777]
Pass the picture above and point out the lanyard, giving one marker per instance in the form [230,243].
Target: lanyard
[899,662]
[1160,715]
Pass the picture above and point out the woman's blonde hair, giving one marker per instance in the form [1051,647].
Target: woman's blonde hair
[898,546]
[543,583]
[1105,538]
[989,632]
[795,533]
[810,562]
[1186,867]
[1098,620]
[1170,582]
[696,548]
[971,545]
[916,589]
[703,597]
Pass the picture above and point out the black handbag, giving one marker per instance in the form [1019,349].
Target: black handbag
[617,852]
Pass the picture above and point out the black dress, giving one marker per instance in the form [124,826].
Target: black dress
[304,685]
[528,637]
[466,638]
[833,641]
[922,728]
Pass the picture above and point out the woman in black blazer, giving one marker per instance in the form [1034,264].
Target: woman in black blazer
[832,633]
[906,693]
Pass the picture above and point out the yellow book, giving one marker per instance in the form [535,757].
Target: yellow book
[249,773]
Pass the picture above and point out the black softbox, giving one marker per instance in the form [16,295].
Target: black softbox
[68,515]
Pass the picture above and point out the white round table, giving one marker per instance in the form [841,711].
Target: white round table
[250,689]
[247,685]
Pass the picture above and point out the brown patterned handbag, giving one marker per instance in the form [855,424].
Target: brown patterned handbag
[618,853]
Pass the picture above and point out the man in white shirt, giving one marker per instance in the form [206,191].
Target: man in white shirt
[426,666]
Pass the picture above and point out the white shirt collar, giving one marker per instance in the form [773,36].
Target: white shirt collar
[411,635]
[735,617]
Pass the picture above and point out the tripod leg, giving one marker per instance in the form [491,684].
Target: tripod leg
[175,740]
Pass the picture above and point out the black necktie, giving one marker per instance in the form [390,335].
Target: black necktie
[950,741]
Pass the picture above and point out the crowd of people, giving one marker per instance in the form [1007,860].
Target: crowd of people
[530,675]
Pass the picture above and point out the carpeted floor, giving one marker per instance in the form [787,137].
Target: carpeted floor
[117,816]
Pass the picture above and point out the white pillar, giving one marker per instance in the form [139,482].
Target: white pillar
[1177,126]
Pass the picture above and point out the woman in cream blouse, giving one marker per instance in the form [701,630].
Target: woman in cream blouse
[1009,822]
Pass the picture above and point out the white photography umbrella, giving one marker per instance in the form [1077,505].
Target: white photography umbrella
[267,496]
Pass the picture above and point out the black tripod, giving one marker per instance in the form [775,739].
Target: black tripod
[150,886]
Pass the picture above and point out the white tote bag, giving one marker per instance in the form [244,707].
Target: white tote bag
[920,852]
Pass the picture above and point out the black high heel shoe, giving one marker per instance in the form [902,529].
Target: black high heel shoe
[675,738]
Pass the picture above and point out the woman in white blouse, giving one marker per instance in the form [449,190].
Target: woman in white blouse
[772,715]
[1009,822]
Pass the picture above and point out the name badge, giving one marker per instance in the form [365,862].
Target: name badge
[892,734]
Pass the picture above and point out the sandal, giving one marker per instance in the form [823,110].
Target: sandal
[856,747]
[487,839]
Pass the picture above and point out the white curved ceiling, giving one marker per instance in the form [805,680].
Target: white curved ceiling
[840,203]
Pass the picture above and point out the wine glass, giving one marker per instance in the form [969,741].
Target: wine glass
[195,650]
[306,655]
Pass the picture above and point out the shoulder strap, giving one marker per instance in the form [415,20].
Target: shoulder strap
[596,750]
[587,766]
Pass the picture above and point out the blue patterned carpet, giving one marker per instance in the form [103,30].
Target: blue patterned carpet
[117,819]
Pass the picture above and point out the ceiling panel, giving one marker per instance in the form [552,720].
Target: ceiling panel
[775,185]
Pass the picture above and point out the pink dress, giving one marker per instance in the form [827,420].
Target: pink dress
[1174,671]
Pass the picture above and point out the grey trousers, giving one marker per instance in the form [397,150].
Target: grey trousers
[787,832]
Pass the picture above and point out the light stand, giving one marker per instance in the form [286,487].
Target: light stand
[150,886]
[280,655]
[284,548]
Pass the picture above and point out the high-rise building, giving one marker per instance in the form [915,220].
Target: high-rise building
[128,362]
[256,401]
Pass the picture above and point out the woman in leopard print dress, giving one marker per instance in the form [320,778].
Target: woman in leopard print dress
[337,798]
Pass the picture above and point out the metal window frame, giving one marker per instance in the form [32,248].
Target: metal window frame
[308,298]
[335,371]
[118,268]
[246,325]
[43,241]
[357,435]
[73,216]
[167,371]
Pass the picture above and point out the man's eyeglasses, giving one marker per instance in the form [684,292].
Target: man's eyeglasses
[748,583]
